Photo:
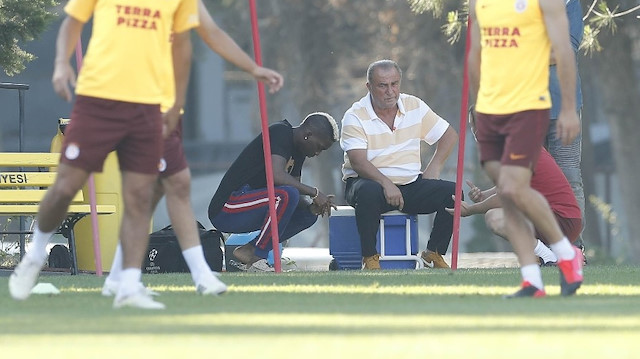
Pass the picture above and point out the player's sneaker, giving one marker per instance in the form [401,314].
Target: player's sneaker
[24,278]
[550,263]
[584,253]
[138,299]
[527,290]
[371,262]
[261,266]
[433,260]
[211,285]
[571,273]
[110,288]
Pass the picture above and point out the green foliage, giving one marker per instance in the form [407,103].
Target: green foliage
[590,43]
[21,21]
[422,6]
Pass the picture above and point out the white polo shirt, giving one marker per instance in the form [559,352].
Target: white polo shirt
[395,153]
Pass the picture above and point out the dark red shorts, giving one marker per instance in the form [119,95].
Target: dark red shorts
[173,159]
[99,126]
[570,227]
[514,139]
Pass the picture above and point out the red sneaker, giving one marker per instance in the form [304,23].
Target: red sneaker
[571,273]
[527,290]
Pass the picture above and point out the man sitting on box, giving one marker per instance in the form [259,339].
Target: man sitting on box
[381,137]
[241,202]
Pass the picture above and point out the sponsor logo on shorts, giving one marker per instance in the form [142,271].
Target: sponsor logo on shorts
[72,152]
[515,157]
[162,165]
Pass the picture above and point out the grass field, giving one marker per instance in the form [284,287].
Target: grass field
[393,314]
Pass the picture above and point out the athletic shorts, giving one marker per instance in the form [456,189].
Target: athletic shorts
[570,227]
[514,139]
[99,126]
[173,157]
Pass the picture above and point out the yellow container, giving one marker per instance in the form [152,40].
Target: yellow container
[108,191]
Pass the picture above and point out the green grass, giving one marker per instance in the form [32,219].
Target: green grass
[392,314]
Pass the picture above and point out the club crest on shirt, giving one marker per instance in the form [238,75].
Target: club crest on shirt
[72,152]
[520,6]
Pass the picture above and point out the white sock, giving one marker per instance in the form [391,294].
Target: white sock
[531,273]
[38,248]
[563,249]
[130,281]
[194,257]
[544,252]
[115,273]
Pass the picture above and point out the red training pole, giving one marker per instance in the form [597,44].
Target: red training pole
[266,144]
[97,253]
[463,135]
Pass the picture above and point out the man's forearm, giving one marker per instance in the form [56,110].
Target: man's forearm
[281,178]
[566,69]
[366,169]
[221,43]
[444,147]
[182,51]
[68,36]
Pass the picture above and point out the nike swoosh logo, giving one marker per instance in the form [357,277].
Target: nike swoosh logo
[515,157]
[428,264]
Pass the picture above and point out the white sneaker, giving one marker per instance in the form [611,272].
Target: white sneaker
[261,266]
[139,299]
[211,285]
[110,288]
[24,278]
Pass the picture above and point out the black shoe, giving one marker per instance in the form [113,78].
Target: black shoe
[546,264]
[584,253]
[527,290]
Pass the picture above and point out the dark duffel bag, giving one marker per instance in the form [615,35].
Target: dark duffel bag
[165,256]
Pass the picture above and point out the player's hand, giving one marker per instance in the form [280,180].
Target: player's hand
[568,126]
[63,76]
[465,209]
[475,194]
[325,209]
[170,121]
[269,77]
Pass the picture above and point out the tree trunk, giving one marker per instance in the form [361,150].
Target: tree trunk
[591,234]
[621,106]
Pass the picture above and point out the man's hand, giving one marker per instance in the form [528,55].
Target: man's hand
[63,76]
[393,195]
[568,126]
[170,121]
[475,194]
[269,77]
[465,209]
[322,205]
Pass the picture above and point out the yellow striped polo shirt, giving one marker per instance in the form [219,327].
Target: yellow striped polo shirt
[514,70]
[396,153]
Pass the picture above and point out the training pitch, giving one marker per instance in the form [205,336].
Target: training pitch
[347,314]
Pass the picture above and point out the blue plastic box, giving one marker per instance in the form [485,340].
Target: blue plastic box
[344,241]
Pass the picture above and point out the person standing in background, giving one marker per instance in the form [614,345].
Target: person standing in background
[568,157]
